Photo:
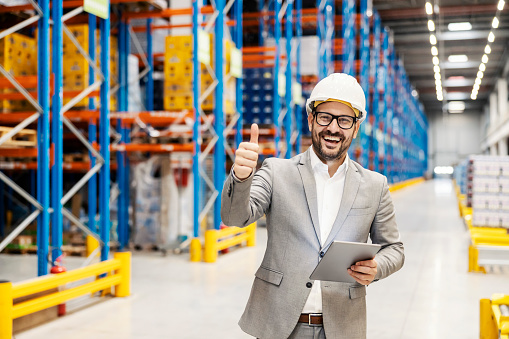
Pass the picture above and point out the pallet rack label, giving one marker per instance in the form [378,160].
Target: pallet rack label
[101,8]
[203,47]
[236,62]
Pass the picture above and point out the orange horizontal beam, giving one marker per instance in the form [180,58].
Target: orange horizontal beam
[65,4]
[153,148]
[257,65]
[141,29]
[166,13]
[304,11]
[28,81]
[18,152]
[258,49]
[257,57]
[153,118]
[68,167]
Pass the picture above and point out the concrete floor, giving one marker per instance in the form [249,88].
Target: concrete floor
[433,296]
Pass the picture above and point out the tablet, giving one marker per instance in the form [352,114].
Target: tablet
[339,257]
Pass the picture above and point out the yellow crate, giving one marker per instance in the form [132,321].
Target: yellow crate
[18,55]
[178,102]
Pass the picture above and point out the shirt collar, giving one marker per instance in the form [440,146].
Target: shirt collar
[319,166]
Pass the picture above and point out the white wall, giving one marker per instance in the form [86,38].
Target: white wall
[452,137]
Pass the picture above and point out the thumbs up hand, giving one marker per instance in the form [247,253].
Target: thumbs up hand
[246,156]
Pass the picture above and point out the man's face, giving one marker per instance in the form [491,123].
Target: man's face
[331,142]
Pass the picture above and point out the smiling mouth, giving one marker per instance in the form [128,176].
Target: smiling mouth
[331,140]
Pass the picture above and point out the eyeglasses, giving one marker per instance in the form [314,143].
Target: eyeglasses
[344,121]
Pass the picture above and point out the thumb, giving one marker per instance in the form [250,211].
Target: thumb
[254,134]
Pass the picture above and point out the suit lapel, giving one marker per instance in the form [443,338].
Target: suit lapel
[308,180]
[352,182]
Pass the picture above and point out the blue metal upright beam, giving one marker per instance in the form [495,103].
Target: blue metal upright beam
[43,147]
[298,108]
[219,122]
[127,139]
[349,30]
[376,91]
[276,103]
[104,139]
[2,209]
[237,39]
[92,127]
[197,20]
[364,80]
[289,78]
[382,114]
[57,132]
[149,93]
[123,53]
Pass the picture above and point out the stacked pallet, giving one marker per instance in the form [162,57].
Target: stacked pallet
[258,94]
[488,190]
[178,74]
[76,66]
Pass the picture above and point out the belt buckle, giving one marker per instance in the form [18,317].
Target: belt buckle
[315,315]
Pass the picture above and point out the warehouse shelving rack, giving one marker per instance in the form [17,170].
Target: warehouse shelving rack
[283,118]
[216,126]
[50,158]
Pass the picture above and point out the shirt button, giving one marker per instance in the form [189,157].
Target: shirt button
[309,285]
[322,254]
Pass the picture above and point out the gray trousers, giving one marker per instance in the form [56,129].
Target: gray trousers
[305,331]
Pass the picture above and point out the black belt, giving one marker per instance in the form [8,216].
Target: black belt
[311,318]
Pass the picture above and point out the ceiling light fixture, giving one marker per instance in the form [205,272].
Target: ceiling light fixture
[431,25]
[484,59]
[487,49]
[457,58]
[491,37]
[482,67]
[434,50]
[480,74]
[495,22]
[500,5]
[429,8]
[459,26]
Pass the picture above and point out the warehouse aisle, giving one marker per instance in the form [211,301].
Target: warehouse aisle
[433,296]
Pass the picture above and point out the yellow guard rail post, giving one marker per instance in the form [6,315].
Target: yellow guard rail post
[217,240]
[494,317]
[121,279]
[406,183]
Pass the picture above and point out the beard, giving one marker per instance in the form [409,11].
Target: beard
[326,153]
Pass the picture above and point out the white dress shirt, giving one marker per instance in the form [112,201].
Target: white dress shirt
[329,192]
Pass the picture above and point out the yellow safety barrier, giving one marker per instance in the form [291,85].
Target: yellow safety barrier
[406,183]
[120,278]
[91,244]
[494,322]
[217,240]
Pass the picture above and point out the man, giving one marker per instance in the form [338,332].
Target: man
[309,201]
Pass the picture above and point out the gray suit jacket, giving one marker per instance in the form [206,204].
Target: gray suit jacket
[285,191]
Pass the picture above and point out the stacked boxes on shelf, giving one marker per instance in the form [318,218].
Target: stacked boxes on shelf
[258,93]
[76,66]
[488,190]
[178,75]
[18,55]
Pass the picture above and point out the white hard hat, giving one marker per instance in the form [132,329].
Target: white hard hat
[339,87]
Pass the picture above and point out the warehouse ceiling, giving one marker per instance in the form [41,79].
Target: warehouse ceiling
[408,21]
